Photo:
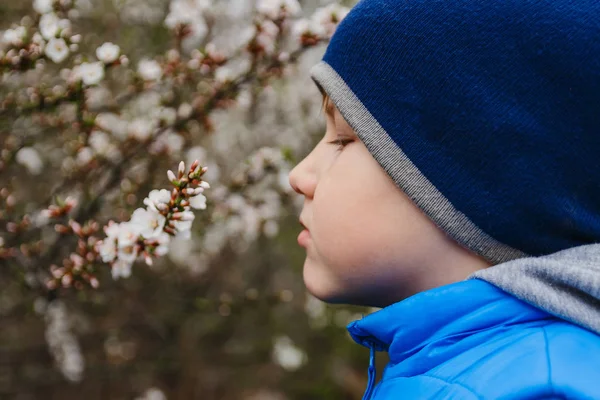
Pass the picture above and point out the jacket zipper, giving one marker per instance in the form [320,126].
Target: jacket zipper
[372,374]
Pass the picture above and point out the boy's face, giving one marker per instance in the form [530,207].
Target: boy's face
[366,242]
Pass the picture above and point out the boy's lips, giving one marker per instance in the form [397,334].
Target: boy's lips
[304,236]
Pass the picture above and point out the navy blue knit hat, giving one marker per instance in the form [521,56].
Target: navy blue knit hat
[485,112]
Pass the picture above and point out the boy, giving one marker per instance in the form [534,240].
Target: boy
[463,141]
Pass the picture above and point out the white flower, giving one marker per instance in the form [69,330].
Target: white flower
[108,52]
[90,73]
[283,181]
[30,159]
[305,26]
[198,202]
[268,34]
[112,230]
[49,25]
[127,234]
[185,110]
[150,70]
[100,142]
[169,141]
[326,19]
[183,229]
[236,202]
[273,8]
[57,50]
[191,14]
[107,249]
[148,223]
[141,129]
[160,196]
[112,123]
[271,228]
[39,40]
[163,240]
[121,269]
[166,114]
[158,199]
[224,74]
[174,142]
[286,354]
[180,12]
[127,253]
[84,156]
[15,36]
[43,6]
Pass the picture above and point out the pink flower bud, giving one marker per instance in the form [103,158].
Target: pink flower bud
[194,165]
[171,176]
[75,226]
[148,259]
[66,280]
[184,216]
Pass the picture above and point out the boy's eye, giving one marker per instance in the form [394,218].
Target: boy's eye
[341,142]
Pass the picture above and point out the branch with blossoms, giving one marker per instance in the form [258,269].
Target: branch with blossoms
[146,236]
[95,122]
[103,147]
[92,122]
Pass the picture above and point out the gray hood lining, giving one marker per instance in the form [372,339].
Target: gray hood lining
[565,284]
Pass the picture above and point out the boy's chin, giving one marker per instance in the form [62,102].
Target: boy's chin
[327,288]
[320,283]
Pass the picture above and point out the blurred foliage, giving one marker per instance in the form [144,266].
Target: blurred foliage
[207,336]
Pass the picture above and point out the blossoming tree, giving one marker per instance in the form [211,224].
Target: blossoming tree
[98,100]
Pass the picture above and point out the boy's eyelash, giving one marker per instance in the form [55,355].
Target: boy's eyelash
[341,142]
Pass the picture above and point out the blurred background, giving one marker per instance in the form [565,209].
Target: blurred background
[98,99]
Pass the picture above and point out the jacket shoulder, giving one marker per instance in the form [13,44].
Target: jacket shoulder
[554,360]
[573,360]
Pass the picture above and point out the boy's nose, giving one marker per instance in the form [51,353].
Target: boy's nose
[303,179]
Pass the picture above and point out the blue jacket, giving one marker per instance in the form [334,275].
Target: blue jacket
[471,340]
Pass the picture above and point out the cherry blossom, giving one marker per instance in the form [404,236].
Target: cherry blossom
[90,73]
[107,249]
[57,50]
[141,129]
[148,223]
[14,37]
[287,354]
[327,18]
[121,269]
[108,52]
[43,6]
[158,199]
[30,158]
[149,70]
[49,25]
[274,8]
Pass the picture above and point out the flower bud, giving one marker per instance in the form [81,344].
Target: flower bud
[171,176]
[94,283]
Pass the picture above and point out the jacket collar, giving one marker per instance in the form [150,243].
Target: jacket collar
[460,308]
